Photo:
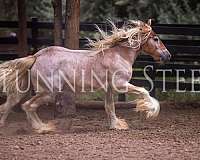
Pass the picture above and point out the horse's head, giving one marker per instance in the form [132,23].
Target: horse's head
[152,44]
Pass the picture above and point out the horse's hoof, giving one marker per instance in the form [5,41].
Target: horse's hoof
[46,128]
[154,109]
[120,124]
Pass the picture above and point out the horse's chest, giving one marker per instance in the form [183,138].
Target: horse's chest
[122,68]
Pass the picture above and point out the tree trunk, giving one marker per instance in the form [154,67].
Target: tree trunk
[22,34]
[57,5]
[65,103]
[72,23]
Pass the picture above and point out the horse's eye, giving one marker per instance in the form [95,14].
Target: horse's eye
[156,39]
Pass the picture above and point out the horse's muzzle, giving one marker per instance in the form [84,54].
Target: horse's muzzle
[165,56]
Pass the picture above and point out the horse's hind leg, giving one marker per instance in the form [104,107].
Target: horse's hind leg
[11,101]
[30,108]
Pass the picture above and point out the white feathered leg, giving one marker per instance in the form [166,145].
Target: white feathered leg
[145,103]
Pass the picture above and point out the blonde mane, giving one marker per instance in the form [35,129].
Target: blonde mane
[135,32]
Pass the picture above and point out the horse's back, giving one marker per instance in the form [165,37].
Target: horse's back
[54,50]
[55,58]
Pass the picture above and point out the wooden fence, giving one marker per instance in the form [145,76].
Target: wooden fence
[182,40]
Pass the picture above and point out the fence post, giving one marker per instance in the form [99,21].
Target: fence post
[34,33]
[22,32]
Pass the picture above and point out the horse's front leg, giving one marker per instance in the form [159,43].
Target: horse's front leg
[114,122]
[146,103]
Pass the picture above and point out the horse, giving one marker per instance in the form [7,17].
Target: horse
[109,62]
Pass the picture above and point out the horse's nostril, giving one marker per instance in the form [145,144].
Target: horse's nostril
[165,56]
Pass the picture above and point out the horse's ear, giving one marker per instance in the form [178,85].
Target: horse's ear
[149,22]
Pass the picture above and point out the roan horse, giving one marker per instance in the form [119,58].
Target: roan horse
[110,61]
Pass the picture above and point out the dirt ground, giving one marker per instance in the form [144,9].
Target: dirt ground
[174,135]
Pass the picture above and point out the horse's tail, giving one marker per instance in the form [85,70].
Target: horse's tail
[13,72]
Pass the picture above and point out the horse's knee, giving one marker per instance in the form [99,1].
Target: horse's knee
[33,107]
[25,106]
[29,107]
[2,108]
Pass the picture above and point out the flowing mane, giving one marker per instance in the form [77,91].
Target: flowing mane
[135,32]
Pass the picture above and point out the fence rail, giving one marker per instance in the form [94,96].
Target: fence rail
[184,47]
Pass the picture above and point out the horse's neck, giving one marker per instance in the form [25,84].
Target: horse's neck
[129,54]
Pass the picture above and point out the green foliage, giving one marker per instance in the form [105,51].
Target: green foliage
[96,11]
[179,11]
[172,95]
[37,8]
[41,9]
[163,11]
[8,10]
